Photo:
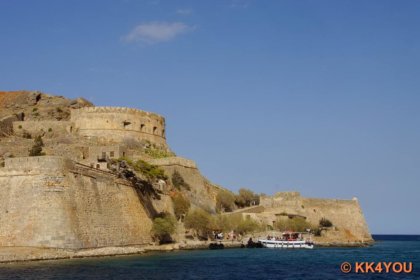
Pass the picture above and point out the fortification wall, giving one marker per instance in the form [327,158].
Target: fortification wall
[281,199]
[115,124]
[39,127]
[174,161]
[47,164]
[6,125]
[201,193]
[346,215]
[70,206]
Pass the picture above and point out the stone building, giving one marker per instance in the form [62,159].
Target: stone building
[116,124]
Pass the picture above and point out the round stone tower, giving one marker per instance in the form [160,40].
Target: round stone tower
[116,124]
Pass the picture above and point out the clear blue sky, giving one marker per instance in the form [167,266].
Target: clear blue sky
[322,97]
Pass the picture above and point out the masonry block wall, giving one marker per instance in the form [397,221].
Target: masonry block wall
[38,127]
[346,215]
[53,202]
[116,124]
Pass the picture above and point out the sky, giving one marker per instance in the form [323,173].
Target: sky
[320,97]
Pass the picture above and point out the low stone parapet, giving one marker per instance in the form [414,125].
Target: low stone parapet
[174,161]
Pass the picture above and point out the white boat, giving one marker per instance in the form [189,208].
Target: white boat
[292,240]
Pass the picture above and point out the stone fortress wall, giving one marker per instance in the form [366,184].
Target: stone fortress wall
[6,125]
[108,125]
[117,124]
[174,161]
[71,202]
[37,164]
[346,215]
[53,202]
[38,127]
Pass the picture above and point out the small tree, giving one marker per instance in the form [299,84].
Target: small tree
[163,227]
[325,223]
[179,182]
[181,205]
[248,226]
[295,224]
[151,171]
[36,149]
[246,198]
[200,221]
[223,223]
[225,201]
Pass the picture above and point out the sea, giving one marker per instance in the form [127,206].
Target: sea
[318,263]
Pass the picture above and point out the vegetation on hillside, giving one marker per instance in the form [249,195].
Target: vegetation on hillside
[200,221]
[163,227]
[26,135]
[149,170]
[225,201]
[156,152]
[246,198]
[204,223]
[181,205]
[325,223]
[235,222]
[36,149]
[298,224]
[179,182]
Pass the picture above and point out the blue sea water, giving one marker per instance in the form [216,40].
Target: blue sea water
[319,263]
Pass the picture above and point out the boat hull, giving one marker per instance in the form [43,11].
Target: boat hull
[286,244]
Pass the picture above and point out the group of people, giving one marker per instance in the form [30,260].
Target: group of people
[285,238]
[218,235]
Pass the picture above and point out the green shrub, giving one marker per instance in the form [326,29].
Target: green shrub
[246,198]
[179,182]
[225,201]
[26,135]
[127,160]
[59,110]
[325,223]
[248,226]
[200,221]
[297,224]
[150,171]
[181,205]
[222,223]
[227,223]
[163,227]
[34,109]
[237,223]
[36,149]
[49,129]
[317,231]
[158,153]
[20,127]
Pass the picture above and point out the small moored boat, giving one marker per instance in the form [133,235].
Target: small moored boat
[288,240]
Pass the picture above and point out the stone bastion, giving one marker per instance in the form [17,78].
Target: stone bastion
[116,124]
[53,202]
